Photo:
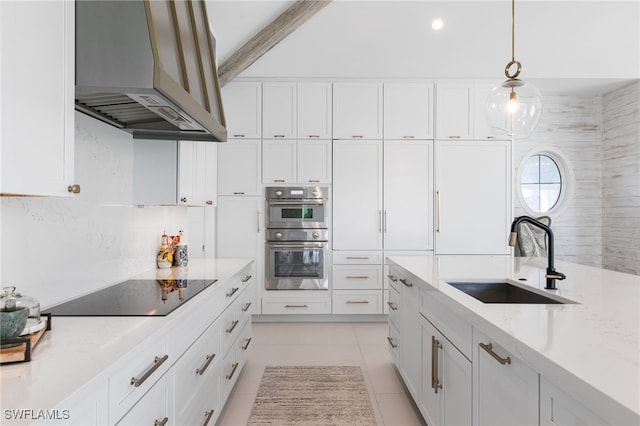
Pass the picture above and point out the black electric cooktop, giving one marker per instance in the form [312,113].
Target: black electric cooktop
[133,298]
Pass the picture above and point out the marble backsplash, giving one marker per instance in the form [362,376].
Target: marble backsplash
[58,248]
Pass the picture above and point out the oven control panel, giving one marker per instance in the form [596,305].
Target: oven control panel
[297,235]
[297,193]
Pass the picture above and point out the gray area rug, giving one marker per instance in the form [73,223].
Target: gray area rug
[312,395]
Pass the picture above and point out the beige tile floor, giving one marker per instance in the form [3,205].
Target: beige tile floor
[312,343]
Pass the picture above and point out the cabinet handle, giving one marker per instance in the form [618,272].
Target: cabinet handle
[454,137]
[357,277]
[238,193]
[238,136]
[314,180]
[408,137]
[233,291]
[356,136]
[393,345]
[296,306]
[438,207]
[405,282]
[278,180]
[393,278]
[157,362]
[278,136]
[380,221]
[489,348]
[357,302]
[246,345]
[314,136]
[161,422]
[392,306]
[384,221]
[435,380]
[207,361]
[358,257]
[207,417]
[258,221]
[183,199]
[233,371]
[247,278]
[209,202]
[233,325]
[491,137]
[74,189]
[245,308]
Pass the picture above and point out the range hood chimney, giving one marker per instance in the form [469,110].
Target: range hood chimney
[148,67]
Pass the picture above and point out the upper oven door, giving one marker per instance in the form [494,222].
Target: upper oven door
[282,214]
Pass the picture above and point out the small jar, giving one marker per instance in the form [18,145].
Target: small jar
[9,295]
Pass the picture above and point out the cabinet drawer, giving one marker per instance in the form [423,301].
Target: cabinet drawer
[394,343]
[196,368]
[230,323]
[448,323]
[243,343]
[154,407]
[392,279]
[393,304]
[205,406]
[357,302]
[357,277]
[137,372]
[296,306]
[357,258]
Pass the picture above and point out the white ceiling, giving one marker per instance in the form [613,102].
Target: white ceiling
[571,46]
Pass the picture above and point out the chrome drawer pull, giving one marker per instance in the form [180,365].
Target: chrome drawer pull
[358,257]
[233,325]
[245,308]
[278,136]
[356,136]
[435,380]
[246,345]
[405,282]
[363,277]
[157,362]
[238,136]
[207,417]
[357,301]
[247,278]
[393,345]
[392,306]
[296,306]
[238,193]
[233,291]
[408,137]
[489,348]
[233,371]
[315,136]
[278,180]
[162,422]
[393,278]
[207,361]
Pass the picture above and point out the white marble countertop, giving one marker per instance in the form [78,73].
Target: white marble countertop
[590,348]
[79,349]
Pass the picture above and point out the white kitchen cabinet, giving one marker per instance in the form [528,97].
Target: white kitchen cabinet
[408,111]
[197,169]
[155,408]
[314,161]
[454,110]
[481,129]
[314,110]
[375,208]
[239,226]
[357,302]
[243,109]
[473,197]
[357,195]
[357,110]
[505,387]
[239,167]
[87,407]
[357,277]
[446,380]
[357,282]
[279,161]
[37,40]
[279,110]
[409,362]
[557,408]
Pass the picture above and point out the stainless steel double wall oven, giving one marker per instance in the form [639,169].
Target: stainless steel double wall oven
[297,238]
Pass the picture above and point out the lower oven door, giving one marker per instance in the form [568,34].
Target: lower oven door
[296,266]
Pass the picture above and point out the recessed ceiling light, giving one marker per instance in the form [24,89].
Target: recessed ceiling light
[437,24]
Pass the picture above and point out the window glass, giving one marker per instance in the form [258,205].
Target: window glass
[541,183]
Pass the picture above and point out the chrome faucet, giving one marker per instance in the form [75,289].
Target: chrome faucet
[552,275]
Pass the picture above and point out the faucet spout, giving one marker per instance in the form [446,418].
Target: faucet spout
[552,275]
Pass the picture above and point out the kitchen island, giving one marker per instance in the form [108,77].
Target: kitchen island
[79,371]
[582,357]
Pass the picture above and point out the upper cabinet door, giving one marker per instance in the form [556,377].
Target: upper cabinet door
[357,111]
[243,109]
[279,110]
[454,111]
[37,83]
[408,111]
[481,129]
[314,110]
[240,167]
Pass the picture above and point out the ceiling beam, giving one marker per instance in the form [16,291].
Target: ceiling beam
[296,15]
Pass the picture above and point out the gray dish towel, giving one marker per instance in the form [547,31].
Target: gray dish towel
[532,241]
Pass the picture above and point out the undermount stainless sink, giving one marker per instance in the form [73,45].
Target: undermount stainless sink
[502,292]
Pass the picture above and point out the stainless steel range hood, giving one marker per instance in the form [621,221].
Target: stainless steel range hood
[148,67]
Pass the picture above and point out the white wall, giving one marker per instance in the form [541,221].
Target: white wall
[621,183]
[57,248]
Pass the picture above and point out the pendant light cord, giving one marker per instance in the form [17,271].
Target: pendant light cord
[513,29]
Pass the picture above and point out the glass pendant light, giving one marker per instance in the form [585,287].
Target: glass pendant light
[514,107]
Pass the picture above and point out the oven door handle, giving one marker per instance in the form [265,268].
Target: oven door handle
[296,245]
[301,203]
